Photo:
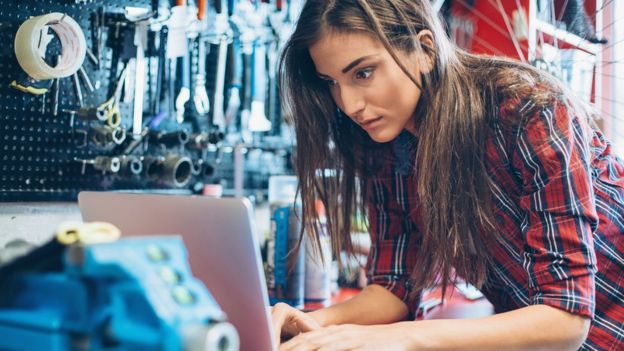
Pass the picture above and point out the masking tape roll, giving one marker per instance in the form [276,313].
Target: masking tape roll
[32,39]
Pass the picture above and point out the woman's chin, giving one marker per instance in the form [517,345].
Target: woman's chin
[382,136]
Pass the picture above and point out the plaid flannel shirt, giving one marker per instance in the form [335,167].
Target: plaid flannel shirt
[559,204]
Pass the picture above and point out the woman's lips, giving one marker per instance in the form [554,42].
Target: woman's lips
[371,123]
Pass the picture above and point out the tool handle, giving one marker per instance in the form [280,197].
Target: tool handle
[236,64]
[201,9]
[217,6]
[231,6]
[259,72]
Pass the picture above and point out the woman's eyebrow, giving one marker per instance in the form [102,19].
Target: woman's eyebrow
[349,66]
[355,63]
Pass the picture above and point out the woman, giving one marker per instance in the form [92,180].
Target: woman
[467,166]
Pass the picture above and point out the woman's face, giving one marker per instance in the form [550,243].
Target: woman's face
[367,84]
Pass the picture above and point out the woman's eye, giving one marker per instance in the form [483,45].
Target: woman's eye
[364,73]
[329,82]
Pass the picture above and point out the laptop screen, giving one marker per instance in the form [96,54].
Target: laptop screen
[222,245]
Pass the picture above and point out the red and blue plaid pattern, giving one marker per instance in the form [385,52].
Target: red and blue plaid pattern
[559,204]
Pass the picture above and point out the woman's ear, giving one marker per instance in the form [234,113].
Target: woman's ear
[426,55]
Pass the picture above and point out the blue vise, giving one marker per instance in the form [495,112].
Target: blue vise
[130,294]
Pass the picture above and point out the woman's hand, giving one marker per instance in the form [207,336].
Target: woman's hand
[289,321]
[353,337]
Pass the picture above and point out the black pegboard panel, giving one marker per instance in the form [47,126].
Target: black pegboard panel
[37,149]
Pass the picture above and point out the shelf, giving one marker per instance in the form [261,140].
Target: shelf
[564,38]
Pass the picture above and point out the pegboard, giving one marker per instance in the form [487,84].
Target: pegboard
[38,150]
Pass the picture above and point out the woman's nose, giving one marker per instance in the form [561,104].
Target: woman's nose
[352,103]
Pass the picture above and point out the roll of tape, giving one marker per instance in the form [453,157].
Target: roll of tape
[31,42]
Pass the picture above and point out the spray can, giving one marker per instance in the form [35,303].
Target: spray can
[284,284]
[317,266]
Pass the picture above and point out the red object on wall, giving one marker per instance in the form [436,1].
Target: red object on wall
[479,26]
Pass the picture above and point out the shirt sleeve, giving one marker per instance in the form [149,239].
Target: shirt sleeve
[552,158]
[393,242]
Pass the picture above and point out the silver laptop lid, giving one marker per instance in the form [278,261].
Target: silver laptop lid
[222,246]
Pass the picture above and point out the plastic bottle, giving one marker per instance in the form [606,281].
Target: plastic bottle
[285,284]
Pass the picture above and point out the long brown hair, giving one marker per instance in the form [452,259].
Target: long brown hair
[459,101]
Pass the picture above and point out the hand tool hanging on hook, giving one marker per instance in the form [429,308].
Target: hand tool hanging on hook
[140,42]
[161,70]
[109,110]
[257,119]
[247,49]
[200,95]
[177,46]
[78,90]
[178,51]
[185,90]
[222,29]
[235,84]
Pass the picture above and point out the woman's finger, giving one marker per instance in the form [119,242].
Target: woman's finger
[304,322]
[278,316]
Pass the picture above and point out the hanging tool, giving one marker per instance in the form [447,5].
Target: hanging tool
[201,9]
[78,89]
[234,89]
[55,103]
[258,121]
[109,110]
[273,62]
[100,35]
[93,59]
[95,38]
[86,79]
[247,48]
[247,22]
[185,91]
[200,95]
[172,68]
[156,8]
[231,7]
[150,52]
[181,64]
[129,147]
[140,40]
[161,70]
[222,28]
[177,46]
[27,84]
[118,44]
[181,19]
[257,118]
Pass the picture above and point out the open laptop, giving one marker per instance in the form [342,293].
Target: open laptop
[221,242]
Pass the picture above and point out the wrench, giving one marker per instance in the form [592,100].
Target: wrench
[200,96]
